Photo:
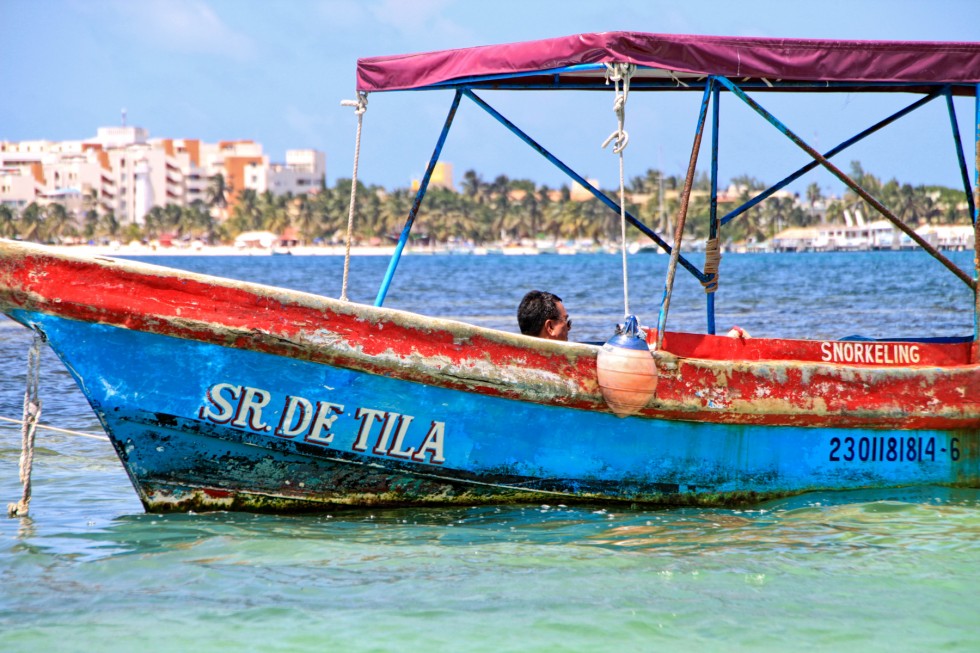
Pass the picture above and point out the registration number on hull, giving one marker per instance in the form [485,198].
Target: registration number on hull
[891,449]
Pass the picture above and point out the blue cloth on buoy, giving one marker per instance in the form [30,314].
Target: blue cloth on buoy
[628,336]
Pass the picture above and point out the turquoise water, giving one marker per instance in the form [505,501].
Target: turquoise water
[857,571]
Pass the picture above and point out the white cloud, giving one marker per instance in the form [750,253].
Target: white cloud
[186,26]
[421,18]
[308,127]
[349,14]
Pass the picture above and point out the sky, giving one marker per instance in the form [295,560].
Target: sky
[276,72]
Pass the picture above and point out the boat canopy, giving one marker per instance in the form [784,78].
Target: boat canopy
[710,64]
[682,61]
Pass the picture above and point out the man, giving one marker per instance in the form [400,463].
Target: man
[543,315]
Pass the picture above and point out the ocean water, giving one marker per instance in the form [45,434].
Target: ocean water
[848,571]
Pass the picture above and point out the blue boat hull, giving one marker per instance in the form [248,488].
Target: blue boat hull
[204,426]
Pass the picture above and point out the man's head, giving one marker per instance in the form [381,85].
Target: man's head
[543,315]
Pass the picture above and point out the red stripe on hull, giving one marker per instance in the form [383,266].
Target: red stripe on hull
[701,378]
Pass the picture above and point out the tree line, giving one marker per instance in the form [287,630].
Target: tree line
[501,210]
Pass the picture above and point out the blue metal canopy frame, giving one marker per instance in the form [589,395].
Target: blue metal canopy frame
[711,86]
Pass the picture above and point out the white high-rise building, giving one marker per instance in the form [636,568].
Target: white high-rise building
[142,190]
[122,170]
[302,172]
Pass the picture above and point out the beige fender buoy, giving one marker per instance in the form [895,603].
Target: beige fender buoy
[626,370]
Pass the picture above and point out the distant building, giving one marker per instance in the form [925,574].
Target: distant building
[303,171]
[442,177]
[580,193]
[122,170]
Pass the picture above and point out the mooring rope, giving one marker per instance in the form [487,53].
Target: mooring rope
[48,427]
[32,411]
[619,74]
[360,106]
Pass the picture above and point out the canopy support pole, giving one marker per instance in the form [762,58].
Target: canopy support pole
[976,225]
[853,185]
[713,249]
[407,229]
[681,216]
[960,156]
[830,153]
[690,267]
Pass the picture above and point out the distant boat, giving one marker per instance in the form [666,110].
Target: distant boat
[637,248]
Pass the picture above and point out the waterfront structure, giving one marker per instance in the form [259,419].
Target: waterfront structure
[124,171]
[876,235]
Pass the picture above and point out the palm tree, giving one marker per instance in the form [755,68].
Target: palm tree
[500,193]
[306,220]
[245,216]
[370,215]
[194,221]
[32,221]
[279,220]
[779,213]
[58,222]
[813,194]
[8,225]
[638,185]
[744,183]
[90,202]
[154,222]
[531,205]
[870,183]
[473,185]
[217,192]
[173,217]
[835,212]
[90,223]
[107,226]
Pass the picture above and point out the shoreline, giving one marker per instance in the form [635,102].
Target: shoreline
[217,250]
[141,250]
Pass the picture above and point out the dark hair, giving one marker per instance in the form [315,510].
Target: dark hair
[536,308]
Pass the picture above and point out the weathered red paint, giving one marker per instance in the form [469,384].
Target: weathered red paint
[693,345]
[701,378]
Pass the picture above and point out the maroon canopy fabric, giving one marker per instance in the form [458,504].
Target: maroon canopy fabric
[686,56]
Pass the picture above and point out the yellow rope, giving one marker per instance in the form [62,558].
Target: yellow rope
[712,259]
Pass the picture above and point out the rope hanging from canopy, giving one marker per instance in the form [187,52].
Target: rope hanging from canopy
[619,74]
[360,106]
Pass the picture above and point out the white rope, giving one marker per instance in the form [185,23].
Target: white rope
[677,80]
[360,106]
[32,411]
[48,427]
[620,73]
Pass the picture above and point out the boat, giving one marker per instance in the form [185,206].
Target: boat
[224,395]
